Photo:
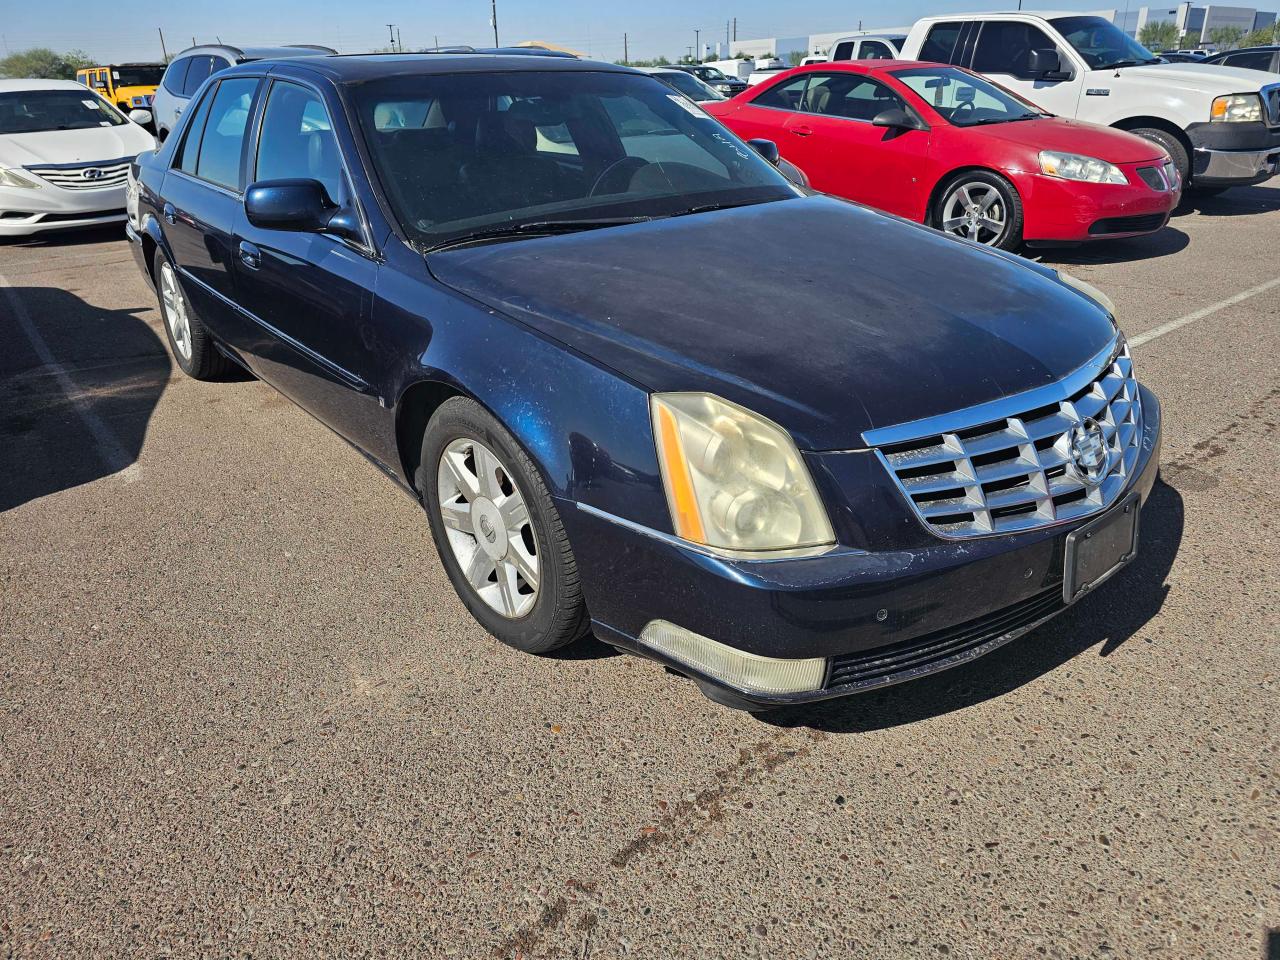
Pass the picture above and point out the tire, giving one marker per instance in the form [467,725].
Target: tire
[481,497]
[189,341]
[1173,146]
[993,193]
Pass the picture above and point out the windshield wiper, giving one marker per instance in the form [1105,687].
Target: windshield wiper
[533,228]
[1127,63]
[1031,115]
[728,205]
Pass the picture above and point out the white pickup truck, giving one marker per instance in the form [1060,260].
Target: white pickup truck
[1221,125]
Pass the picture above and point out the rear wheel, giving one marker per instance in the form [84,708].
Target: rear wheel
[983,207]
[1172,146]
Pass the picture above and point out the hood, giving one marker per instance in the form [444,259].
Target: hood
[74,146]
[1075,136]
[1208,79]
[844,320]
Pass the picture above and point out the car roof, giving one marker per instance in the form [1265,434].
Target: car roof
[865,66]
[7,86]
[284,51]
[1262,47]
[358,68]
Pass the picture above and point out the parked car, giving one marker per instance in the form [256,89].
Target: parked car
[1170,56]
[685,83]
[1250,58]
[870,46]
[720,82]
[860,453]
[1221,125]
[813,58]
[64,156]
[1200,52]
[946,147]
[130,86]
[761,74]
[193,66]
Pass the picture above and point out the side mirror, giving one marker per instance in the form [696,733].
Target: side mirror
[140,117]
[302,206]
[766,148]
[895,118]
[1043,62]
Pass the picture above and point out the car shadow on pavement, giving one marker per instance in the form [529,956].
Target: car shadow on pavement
[1162,243]
[1110,617]
[68,238]
[1236,202]
[75,398]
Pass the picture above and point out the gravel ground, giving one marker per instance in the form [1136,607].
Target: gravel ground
[243,714]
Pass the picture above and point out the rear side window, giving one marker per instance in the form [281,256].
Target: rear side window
[940,44]
[1006,47]
[189,152]
[783,96]
[843,50]
[197,73]
[297,141]
[175,77]
[223,138]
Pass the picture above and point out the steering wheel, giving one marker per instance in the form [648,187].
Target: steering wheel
[631,164]
[962,105]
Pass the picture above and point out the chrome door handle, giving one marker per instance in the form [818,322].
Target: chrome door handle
[250,255]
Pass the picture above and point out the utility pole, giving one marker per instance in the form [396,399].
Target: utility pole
[493,18]
[391,32]
[399,42]
[626,58]
[735,29]
[163,51]
[697,44]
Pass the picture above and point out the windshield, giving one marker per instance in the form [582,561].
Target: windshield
[709,74]
[1102,44]
[33,111]
[965,99]
[689,85]
[462,154]
[137,76]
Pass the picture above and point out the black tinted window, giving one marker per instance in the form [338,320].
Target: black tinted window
[220,146]
[848,95]
[941,42]
[1006,47]
[175,77]
[784,96]
[297,140]
[197,74]
[189,152]
[875,50]
[1258,60]
[843,51]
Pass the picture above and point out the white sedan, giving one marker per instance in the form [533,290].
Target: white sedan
[64,156]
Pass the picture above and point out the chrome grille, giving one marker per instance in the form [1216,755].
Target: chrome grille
[78,176]
[1271,97]
[1051,455]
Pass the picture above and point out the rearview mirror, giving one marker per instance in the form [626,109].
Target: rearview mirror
[140,117]
[895,118]
[766,148]
[1043,62]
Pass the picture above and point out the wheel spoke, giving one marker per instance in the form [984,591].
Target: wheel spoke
[456,516]
[478,569]
[995,226]
[507,592]
[466,482]
[991,198]
[525,564]
[515,514]
[487,467]
[953,224]
[964,196]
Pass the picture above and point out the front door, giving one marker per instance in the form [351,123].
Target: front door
[1003,52]
[309,294]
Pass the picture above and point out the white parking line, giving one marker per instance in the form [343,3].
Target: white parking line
[1172,325]
[112,454]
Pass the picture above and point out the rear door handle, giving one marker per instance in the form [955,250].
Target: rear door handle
[802,131]
[250,255]
[170,214]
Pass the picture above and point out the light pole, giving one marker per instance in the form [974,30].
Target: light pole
[391,29]
[697,45]
[493,19]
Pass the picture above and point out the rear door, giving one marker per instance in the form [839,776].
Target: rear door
[202,201]
[308,294]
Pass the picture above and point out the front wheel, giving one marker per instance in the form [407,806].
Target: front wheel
[189,341]
[497,530]
[982,207]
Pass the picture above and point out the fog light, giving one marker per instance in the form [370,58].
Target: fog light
[737,668]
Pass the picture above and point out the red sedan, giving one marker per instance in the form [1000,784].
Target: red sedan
[943,146]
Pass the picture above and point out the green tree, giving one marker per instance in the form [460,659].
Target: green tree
[1226,38]
[41,63]
[1262,37]
[794,57]
[1161,35]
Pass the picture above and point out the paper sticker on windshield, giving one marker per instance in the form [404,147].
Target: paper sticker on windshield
[689,106]
[91,104]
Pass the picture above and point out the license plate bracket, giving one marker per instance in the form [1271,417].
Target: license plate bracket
[1100,548]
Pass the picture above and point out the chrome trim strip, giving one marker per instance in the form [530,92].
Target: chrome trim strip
[738,556]
[80,164]
[1000,409]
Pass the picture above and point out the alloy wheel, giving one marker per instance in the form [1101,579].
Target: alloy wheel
[175,311]
[486,521]
[975,211]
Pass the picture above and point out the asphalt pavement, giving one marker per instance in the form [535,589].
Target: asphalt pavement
[242,712]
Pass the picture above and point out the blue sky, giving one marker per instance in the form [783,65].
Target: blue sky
[116,31]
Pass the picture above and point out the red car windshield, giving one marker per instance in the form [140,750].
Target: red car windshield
[965,99]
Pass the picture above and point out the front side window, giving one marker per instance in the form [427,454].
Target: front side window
[494,151]
[940,44]
[222,141]
[34,111]
[848,95]
[1005,47]
[843,50]
[964,99]
[1101,43]
[297,140]
[1257,60]
[783,96]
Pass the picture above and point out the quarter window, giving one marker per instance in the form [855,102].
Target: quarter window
[175,77]
[297,140]
[189,152]
[784,96]
[223,139]
[940,44]
[843,51]
[1005,47]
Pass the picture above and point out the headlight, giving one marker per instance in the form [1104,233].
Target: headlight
[11,178]
[1074,166]
[1237,108]
[1089,290]
[734,480]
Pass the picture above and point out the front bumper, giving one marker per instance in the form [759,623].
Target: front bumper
[1070,211]
[1233,154]
[907,613]
[27,211]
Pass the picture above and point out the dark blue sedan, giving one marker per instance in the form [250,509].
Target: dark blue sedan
[841,452]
